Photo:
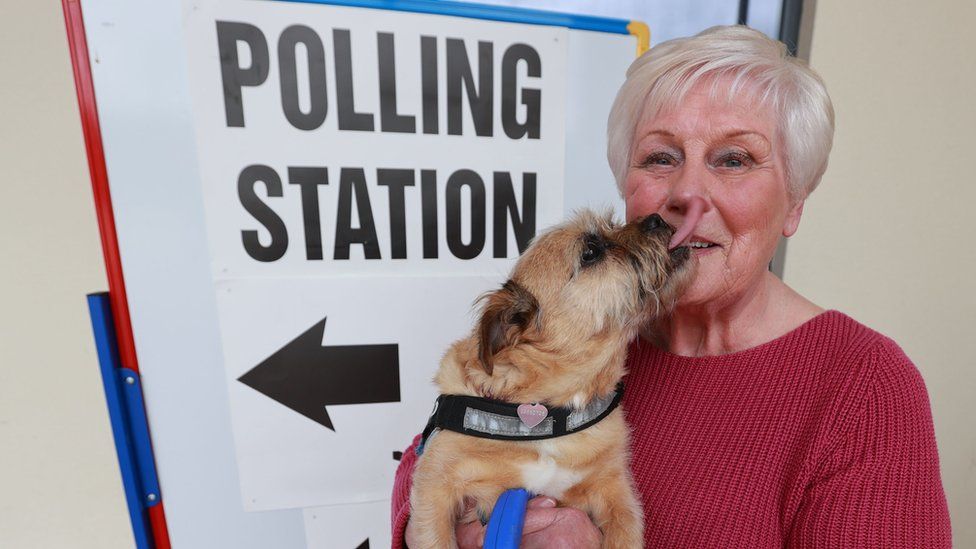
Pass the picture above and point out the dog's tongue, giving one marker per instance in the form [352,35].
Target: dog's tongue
[692,216]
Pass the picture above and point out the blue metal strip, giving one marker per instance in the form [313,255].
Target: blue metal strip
[131,385]
[488,12]
[109,364]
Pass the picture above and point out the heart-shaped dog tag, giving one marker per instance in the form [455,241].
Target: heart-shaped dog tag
[532,414]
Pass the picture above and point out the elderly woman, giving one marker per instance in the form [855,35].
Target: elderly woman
[758,419]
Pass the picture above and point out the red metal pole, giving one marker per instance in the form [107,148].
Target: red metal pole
[106,219]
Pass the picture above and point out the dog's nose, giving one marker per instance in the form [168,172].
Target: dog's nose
[653,222]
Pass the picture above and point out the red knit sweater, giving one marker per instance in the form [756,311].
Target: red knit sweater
[820,438]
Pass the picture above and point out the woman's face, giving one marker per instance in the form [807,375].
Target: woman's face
[729,157]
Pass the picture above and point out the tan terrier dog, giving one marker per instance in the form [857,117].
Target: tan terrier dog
[530,398]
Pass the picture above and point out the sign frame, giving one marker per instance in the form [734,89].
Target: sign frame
[157,534]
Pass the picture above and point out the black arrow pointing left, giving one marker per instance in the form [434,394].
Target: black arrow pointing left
[306,376]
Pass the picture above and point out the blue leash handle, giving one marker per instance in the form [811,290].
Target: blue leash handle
[504,529]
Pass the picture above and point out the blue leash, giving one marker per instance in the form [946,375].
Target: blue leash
[504,530]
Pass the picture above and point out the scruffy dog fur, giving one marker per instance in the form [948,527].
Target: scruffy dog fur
[556,333]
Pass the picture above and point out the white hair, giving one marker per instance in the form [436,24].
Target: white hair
[755,63]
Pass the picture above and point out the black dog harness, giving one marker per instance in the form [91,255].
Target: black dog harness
[499,420]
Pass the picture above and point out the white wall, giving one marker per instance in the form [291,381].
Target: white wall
[59,478]
[888,237]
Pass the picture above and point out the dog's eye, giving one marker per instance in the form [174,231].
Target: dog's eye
[592,253]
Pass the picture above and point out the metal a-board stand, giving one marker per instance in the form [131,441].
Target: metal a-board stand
[110,312]
[111,323]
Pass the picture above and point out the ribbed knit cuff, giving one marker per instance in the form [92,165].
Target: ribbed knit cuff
[400,499]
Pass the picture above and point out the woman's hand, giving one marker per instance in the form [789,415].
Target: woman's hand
[546,527]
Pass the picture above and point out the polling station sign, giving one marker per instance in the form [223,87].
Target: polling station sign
[366,174]
[337,140]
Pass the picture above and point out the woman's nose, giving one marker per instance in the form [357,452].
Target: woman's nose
[688,190]
[687,201]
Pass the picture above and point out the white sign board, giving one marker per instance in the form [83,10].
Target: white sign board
[368,172]
[275,235]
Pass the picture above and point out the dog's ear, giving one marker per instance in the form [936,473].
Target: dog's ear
[505,316]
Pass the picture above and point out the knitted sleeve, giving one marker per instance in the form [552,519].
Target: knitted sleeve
[879,485]
[401,494]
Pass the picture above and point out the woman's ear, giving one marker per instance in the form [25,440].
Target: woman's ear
[792,221]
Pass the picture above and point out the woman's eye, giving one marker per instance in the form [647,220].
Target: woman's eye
[660,159]
[734,160]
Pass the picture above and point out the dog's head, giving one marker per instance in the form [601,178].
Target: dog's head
[558,329]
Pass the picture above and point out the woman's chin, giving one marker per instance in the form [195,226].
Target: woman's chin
[702,292]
